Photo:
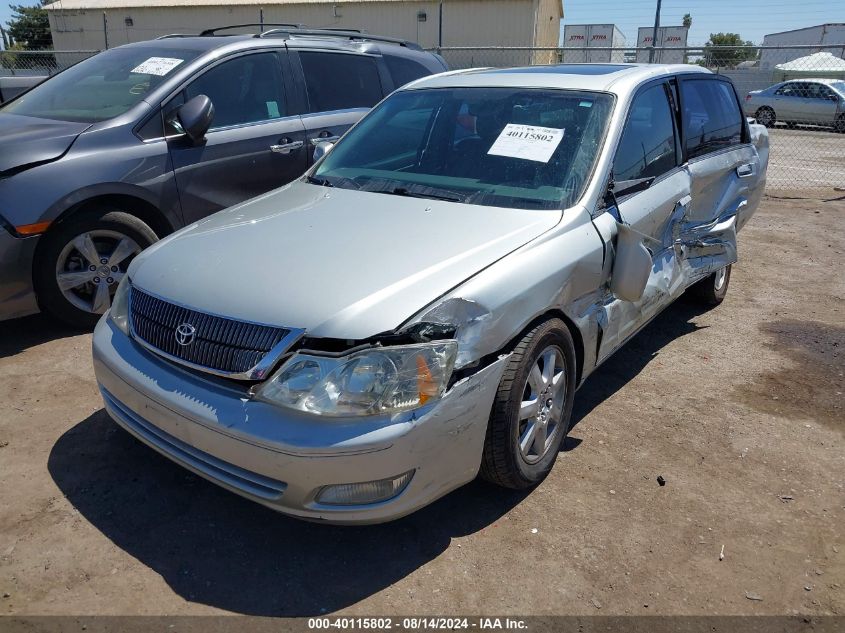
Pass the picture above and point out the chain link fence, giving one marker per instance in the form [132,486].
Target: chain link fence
[806,116]
[39,63]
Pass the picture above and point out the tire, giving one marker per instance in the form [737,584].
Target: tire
[766,116]
[88,277]
[712,289]
[839,124]
[504,462]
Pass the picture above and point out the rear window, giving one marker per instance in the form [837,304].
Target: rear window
[338,81]
[712,119]
[404,70]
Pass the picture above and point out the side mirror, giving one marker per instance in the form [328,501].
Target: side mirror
[195,117]
[321,149]
[632,266]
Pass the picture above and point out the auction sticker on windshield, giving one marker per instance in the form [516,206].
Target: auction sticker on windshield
[528,142]
[157,66]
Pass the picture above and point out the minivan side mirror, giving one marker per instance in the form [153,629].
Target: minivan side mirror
[195,117]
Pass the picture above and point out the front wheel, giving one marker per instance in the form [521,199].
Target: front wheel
[81,261]
[532,410]
[712,289]
[839,124]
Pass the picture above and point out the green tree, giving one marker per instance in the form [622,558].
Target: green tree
[740,50]
[687,20]
[29,27]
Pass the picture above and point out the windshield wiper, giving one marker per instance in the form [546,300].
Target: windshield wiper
[323,182]
[402,191]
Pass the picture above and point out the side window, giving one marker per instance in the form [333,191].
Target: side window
[787,90]
[711,116]
[338,81]
[404,70]
[246,89]
[647,147]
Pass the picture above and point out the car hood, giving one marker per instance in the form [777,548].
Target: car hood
[335,262]
[25,141]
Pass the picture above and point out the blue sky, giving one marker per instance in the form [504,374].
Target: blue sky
[752,19]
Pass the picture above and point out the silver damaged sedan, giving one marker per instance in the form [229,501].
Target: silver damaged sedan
[421,307]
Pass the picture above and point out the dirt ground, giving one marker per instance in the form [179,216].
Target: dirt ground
[739,408]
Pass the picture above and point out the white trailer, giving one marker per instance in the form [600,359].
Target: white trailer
[667,36]
[587,36]
[829,36]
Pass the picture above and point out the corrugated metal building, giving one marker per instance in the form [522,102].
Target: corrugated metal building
[831,36]
[94,24]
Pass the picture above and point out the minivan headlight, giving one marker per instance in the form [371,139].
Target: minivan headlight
[380,380]
[119,311]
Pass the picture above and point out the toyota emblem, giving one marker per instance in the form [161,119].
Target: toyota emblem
[185,334]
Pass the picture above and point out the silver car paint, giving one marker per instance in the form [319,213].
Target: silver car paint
[395,262]
[280,458]
[797,109]
[390,257]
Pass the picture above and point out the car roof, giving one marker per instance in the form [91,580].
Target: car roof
[614,78]
[223,44]
[818,80]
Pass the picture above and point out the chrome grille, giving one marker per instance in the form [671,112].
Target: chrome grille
[219,345]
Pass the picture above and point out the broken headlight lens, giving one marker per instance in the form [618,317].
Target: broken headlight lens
[381,380]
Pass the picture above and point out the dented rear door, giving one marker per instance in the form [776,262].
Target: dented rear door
[726,172]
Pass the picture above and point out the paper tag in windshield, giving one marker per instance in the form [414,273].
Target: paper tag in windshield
[528,142]
[157,66]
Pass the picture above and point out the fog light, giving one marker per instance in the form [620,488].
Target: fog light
[364,492]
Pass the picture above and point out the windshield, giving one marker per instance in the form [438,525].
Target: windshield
[101,87]
[503,147]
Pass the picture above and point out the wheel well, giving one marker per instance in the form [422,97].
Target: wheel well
[577,339]
[141,209]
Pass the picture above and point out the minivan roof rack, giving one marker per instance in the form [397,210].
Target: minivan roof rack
[346,34]
[210,32]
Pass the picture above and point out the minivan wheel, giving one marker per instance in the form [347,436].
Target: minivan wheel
[712,289]
[766,116]
[81,261]
[532,410]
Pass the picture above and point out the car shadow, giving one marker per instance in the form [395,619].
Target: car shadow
[18,335]
[673,323]
[215,548]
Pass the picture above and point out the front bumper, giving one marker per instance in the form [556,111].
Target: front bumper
[17,295]
[282,459]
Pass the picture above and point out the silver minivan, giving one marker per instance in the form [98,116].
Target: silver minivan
[422,305]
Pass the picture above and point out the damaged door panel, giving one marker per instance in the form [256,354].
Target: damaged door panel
[725,172]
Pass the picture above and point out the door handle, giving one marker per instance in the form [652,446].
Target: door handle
[286,147]
[743,171]
[324,139]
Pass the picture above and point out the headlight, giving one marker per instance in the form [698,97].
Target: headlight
[119,311]
[370,382]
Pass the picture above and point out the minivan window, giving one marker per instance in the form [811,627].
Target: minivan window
[502,147]
[404,70]
[711,116]
[103,86]
[647,147]
[247,89]
[337,81]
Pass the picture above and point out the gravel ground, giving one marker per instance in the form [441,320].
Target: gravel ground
[739,408]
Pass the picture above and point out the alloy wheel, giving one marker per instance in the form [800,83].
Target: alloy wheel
[91,265]
[542,405]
